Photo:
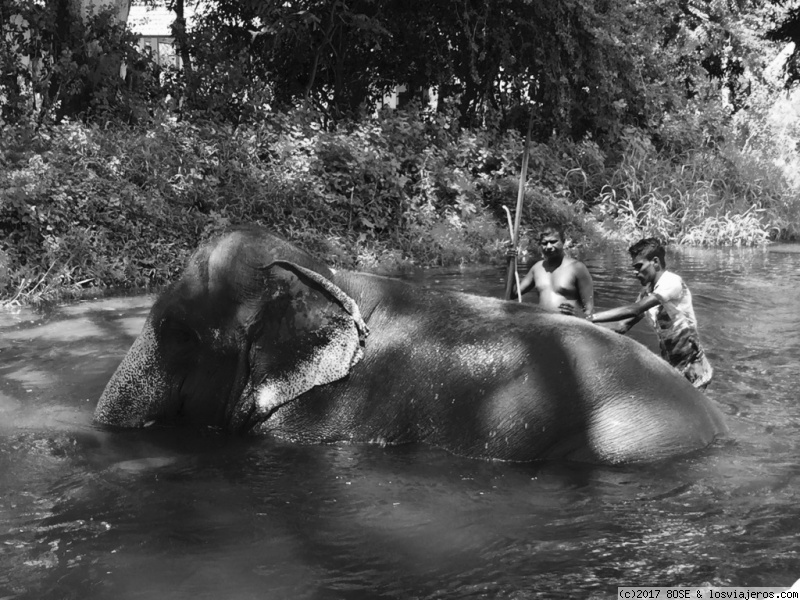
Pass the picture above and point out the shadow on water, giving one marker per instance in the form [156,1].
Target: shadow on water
[87,513]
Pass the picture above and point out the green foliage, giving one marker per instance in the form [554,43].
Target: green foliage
[397,181]
[93,208]
[84,207]
[721,192]
[654,118]
[54,64]
[71,218]
[583,67]
[784,20]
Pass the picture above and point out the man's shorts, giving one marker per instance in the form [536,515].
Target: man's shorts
[699,372]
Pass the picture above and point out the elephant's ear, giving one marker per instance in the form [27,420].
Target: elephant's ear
[309,333]
[326,284]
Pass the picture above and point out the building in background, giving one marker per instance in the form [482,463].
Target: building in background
[153,26]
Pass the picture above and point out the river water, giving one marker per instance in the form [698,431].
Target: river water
[89,514]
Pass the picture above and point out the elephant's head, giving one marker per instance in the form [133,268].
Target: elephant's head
[250,325]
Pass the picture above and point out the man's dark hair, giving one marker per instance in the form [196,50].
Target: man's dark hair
[649,248]
[553,227]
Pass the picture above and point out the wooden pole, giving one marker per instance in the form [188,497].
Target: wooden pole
[511,235]
[523,176]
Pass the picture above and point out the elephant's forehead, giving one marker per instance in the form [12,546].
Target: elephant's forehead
[216,271]
[224,253]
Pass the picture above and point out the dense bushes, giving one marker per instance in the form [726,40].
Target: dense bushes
[87,207]
[72,219]
[102,188]
[91,207]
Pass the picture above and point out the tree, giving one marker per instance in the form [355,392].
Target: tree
[62,57]
[584,67]
[786,28]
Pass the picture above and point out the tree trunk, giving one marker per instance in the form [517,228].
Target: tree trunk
[179,32]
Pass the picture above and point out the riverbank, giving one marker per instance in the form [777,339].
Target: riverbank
[87,210]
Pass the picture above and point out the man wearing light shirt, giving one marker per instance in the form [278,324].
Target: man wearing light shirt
[667,301]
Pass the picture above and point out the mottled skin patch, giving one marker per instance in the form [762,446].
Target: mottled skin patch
[325,364]
[142,380]
[259,337]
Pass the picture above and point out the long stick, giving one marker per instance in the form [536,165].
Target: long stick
[523,176]
[511,233]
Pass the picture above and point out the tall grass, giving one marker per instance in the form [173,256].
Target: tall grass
[725,195]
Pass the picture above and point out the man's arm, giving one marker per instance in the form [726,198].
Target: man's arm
[585,287]
[625,326]
[525,284]
[630,314]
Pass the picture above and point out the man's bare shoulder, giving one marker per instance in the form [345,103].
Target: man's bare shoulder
[575,269]
[537,266]
[572,263]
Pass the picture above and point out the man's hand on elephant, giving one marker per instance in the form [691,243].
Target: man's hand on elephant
[565,308]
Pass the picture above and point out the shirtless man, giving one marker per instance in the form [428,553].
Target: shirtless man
[564,284]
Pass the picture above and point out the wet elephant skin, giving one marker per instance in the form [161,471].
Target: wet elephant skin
[259,337]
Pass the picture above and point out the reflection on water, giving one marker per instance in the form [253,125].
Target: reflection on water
[171,514]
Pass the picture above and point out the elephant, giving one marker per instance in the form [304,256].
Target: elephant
[259,337]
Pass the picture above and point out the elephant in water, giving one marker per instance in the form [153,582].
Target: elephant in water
[257,336]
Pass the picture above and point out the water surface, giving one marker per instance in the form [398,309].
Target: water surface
[170,514]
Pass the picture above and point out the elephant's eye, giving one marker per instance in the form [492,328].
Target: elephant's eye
[175,332]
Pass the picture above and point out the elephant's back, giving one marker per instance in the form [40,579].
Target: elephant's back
[457,371]
[644,409]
